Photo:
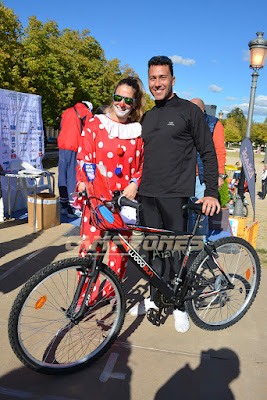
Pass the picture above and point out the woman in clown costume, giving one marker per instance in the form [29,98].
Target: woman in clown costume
[114,140]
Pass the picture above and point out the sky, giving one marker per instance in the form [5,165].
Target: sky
[207,41]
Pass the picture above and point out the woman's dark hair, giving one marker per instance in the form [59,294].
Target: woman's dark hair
[140,102]
[102,109]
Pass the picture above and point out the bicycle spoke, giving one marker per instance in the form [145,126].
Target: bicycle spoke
[47,336]
[241,265]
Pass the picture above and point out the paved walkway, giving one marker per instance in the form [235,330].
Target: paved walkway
[146,362]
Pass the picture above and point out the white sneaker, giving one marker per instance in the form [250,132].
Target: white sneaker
[143,307]
[181,321]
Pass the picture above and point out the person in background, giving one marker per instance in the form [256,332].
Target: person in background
[71,127]
[173,131]
[237,173]
[115,141]
[217,133]
[264,181]
[104,109]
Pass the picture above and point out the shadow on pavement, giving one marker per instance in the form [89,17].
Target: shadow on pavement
[12,222]
[12,245]
[210,380]
[22,268]
[93,382]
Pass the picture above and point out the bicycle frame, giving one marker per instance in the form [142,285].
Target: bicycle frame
[174,295]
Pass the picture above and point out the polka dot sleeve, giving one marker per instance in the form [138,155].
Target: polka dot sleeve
[137,172]
[86,150]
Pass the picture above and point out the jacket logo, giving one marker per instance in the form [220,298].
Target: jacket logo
[171,124]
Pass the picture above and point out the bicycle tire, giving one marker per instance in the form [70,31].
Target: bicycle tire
[43,337]
[241,264]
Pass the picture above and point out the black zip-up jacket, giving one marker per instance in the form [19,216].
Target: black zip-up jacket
[173,131]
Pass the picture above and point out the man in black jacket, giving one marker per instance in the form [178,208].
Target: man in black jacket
[173,131]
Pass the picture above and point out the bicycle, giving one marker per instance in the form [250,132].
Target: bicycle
[51,335]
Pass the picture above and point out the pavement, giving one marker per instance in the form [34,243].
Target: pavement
[146,362]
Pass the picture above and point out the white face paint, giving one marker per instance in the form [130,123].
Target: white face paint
[120,112]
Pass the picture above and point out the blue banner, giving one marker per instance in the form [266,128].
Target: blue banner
[247,158]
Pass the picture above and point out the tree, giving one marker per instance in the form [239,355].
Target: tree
[11,49]
[259,133]
[64,67]
[149,102]
[238,115]
[231,131]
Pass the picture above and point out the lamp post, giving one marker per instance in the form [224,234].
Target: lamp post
[258,51]
[220,115]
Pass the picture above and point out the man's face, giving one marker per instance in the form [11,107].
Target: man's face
[160,82]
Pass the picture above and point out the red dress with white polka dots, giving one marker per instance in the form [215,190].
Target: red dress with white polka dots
[100,143]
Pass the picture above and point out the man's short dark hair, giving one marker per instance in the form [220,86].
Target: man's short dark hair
[161,60]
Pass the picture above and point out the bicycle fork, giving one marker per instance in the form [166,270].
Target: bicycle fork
[90,273]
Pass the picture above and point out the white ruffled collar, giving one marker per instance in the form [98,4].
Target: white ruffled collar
[121,131]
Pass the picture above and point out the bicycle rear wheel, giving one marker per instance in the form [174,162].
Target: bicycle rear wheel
[41,333]
[240,262]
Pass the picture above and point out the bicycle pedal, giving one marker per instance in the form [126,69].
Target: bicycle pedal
[153,316]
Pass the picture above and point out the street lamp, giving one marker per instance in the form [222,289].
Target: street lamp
[220,115]
[258,51]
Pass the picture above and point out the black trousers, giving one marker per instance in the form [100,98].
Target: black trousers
[164,213]
[263,186]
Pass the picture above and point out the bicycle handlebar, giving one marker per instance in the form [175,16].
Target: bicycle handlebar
[197,207]
[118,199]
[124,201]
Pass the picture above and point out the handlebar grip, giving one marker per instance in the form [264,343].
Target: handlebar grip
[124,201]
[197,207]
[80,194]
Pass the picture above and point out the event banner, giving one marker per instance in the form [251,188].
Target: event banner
[247,158]
[22,138]
[21,127]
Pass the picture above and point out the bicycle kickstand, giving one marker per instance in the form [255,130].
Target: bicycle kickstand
[153,316]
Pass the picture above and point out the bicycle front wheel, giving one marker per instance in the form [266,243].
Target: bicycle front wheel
[41,332]
[240,262]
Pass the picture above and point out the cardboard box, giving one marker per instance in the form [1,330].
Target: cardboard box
[47,210]
[252,233]
[238,225]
